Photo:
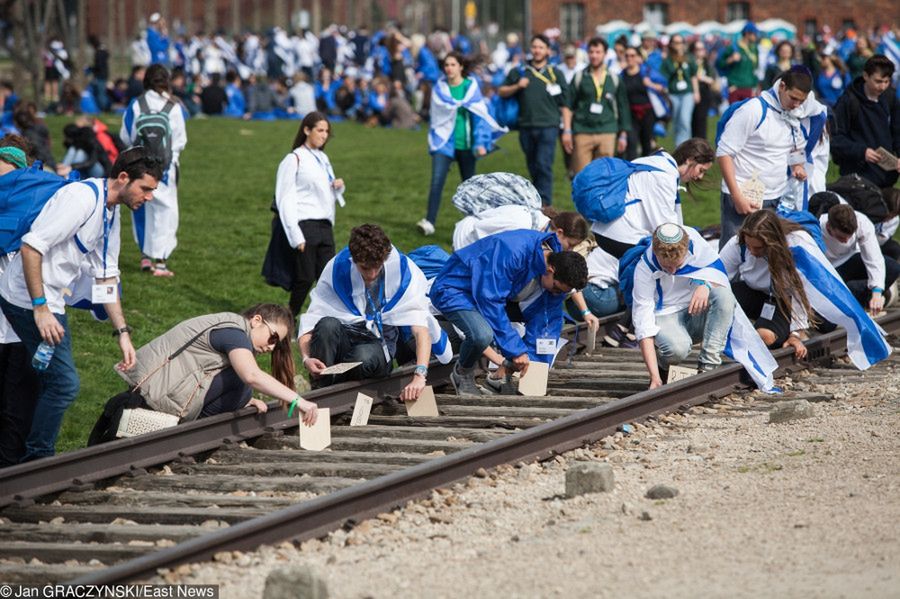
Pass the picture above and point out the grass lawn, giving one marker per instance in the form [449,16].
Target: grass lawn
[227,182]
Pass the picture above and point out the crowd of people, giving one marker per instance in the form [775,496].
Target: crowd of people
[796,253]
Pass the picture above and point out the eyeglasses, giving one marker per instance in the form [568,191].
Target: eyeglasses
[274,339]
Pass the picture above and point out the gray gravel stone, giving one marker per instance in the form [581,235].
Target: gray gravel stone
[661,492]
[295,582]
[589,477]
[786,411]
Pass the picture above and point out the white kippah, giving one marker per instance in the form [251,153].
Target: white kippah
[669,233]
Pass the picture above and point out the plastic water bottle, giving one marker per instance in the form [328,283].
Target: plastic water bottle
[42,356]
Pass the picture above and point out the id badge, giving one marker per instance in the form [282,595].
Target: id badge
[681,85]
[104,294]
[768,311]
[596,108]
[554,89]
[546,346]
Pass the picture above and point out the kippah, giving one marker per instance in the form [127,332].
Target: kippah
[14,156]
[669,233]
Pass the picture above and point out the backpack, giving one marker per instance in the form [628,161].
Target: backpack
[478,193]
[821,202]
[599,189]
[627,264]
[506,110]
[862,194]
[805,219]
[23,194]
[154,132]
[430,259]
[729,112]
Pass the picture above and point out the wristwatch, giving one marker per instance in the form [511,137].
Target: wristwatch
[125,329]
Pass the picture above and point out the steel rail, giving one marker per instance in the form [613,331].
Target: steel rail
[23,482]
[318,516]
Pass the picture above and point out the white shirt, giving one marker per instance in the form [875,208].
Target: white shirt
[603,268]
[887,229]
[755,272]
[496,220]
[73,211]
[303,191]
[676,293]
[766,151]
[155,101]
[304,96]
[864,242]
[652,199]
[7,335]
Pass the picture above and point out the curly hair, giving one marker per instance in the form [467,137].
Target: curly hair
[772,231]
[282,359]
[369,245]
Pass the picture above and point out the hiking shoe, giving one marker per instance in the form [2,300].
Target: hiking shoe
[619,337]
[464,383]
[146,264]
[425,227]
[161,270]
[504,386]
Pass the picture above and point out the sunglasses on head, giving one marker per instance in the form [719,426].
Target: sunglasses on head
[136,154]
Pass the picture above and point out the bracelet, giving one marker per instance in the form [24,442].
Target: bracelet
[305,358]
[292,406]
[701,282]
[422,370]
[585,312]
[38,301]
[874,290]
[118,332]
[796,334]
[567,132]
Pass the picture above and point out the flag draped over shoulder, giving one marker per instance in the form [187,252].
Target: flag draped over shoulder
[341,293]
[444,108]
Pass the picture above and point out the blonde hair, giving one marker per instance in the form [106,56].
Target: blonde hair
[670,251]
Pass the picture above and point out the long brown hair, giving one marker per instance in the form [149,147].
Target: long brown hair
[309,122]
[573,225]
[772,231]
[282,359]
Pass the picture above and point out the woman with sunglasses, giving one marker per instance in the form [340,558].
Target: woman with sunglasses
[207,365]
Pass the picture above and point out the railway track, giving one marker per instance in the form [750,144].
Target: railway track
[119,512]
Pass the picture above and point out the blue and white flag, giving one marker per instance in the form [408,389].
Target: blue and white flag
[743,344]
[444,108]
[830,297]
[341,293]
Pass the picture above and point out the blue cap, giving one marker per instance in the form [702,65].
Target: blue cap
[750,27]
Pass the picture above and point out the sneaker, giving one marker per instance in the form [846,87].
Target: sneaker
[504,386]
[425,227]
[161,270]
[619,337]
[146,264]
[703,367]
[890,296]
[464,383]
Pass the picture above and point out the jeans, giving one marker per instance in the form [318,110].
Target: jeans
[477,331]
[334,343]
[601,301]
[226,393]
[440,166]
[679,331]
[98,90]
[539,146]
[59,383]
[732,221]
[76,156]
[682,113]
[19,388]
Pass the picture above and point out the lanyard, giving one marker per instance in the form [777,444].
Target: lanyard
[376,310]
[679,70]
[540,76]
[748,54]
[599,87]
[107,224]
[325,168]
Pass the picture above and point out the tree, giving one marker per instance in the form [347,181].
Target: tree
[31,21]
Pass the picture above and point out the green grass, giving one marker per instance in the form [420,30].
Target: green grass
[227,182]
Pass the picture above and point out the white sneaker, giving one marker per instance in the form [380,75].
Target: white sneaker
[893,293]
[425,227]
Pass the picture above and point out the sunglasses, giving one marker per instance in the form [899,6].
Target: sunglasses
[136,154]
[274,339]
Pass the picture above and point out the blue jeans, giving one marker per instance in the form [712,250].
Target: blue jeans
[601,301]
[732,221]
[440,166]
[679,331]
[59,383]
[76,156]
[98,90]
[477,331]
[539,146]
[682,113]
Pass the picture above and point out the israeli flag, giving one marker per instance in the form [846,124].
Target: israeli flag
[444,108]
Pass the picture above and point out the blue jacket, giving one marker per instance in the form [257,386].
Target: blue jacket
[486,274]
[328,96]
[159,47]
[427,65]
[237,105]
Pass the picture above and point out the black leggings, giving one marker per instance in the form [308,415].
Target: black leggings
[309,264]
[752,302]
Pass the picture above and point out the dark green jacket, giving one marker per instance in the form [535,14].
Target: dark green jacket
[616,114]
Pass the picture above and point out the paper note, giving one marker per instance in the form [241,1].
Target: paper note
[754,191]
[361,410]
[534,382]
[886,160]
[318,436]
[424,406]
[592,338]
[340,368]
[676,373]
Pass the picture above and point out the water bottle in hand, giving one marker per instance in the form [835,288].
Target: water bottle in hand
[42,356]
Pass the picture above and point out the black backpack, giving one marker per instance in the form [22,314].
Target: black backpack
[154,132]
[862,194]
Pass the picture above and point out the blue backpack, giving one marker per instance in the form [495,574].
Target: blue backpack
[599,189]
[23,193]
[506,110]
[627,264]
[729,112]
[430,259]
